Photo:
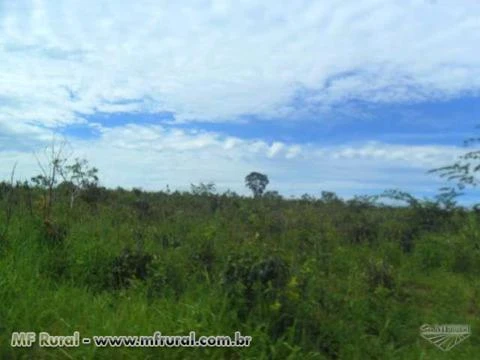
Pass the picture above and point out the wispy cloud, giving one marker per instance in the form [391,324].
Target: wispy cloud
[63,63]
[218,60]
[154,156]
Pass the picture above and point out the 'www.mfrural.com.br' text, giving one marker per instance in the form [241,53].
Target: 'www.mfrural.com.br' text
[44,339]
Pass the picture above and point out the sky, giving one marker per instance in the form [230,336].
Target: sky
[351,96]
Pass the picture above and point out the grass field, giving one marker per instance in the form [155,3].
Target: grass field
[306,279]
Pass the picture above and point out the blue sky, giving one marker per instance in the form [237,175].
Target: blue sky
[355,96]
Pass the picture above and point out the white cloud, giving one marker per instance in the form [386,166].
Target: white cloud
[274,149]
[217,60]
[153,156]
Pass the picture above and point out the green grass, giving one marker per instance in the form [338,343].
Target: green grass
[305,279]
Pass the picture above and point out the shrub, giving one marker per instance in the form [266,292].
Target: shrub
[93,194]
[93,269]
[400,232]
[143,208]
[54,263]
[466,257]
[270,271]
[130,265]
[380,274]
[250,280]
[167,276]
[359,229]
[205,255]
[166,240]
[53,234]
[433,252]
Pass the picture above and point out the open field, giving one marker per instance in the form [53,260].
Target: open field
[310,278]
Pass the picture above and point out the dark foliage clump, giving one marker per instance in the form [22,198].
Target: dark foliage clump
[250,279]
[142,208]
[359,229]
[94,195]
[272,270]
[380,273]
[130,265]
[53,234]
[55,264]
[167,240]
[205,256]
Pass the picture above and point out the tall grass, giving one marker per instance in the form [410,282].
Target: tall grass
[306,279]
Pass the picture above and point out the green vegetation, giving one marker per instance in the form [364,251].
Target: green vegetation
[306,278]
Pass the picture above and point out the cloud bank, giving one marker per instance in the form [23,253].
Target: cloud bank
[153,156]
[221,60]
[62,63]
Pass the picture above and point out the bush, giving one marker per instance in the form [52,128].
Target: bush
[143,208]
[433,252]
[53,234]
[466,257]
[359,229]
[93,195]
[380,274]
[130,265]
[168,276]
[55,264]
[250,280]
[205,255]
[400,232]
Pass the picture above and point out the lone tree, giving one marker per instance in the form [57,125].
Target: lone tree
[51,165]
[80,176]
[257,183]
